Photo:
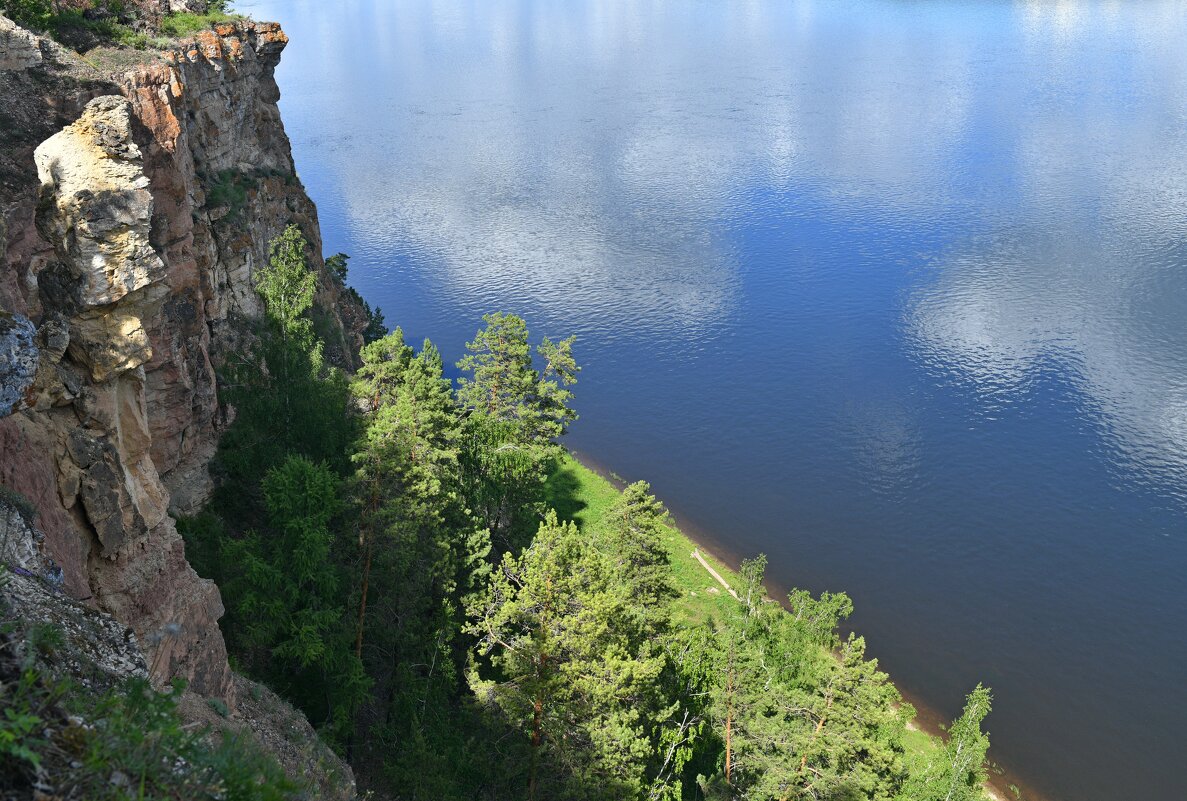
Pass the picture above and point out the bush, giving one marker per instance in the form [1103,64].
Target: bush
[183,24]
[228,188]
[83,23]
[20,727]
[128,743]
[136,733]
[219,708]
[35,14]
[26,507]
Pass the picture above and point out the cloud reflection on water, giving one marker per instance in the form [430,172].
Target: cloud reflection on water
[590,159]
[847,273]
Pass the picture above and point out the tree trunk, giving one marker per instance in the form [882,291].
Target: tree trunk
[358,641]
[729,717]
[537,739]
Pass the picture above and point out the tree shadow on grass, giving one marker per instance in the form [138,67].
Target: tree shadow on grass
[560,493]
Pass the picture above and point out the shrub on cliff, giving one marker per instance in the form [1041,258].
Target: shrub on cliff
[33,14]
[83,24]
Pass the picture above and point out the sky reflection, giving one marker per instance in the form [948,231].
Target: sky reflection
[895,292]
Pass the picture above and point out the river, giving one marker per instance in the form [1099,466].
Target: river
[894,292]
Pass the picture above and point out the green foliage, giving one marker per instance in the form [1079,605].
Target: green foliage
[287,399]
[46,638]
[500,360]
[218,707]
[287,285]
[82,29]
[185,24]
[18,737]
[423,558]
[26,507]
[203,535]
[514,414]
[505,387]
[564,669]
[359,581]
[227,188]
[817,618]
[635,528]
[128,743]
[376,327]
[108,21]
[957,772]
[287,619]
[135,735]
[21,724]
[795,721]
[752,572]
[337,266]
[34,14]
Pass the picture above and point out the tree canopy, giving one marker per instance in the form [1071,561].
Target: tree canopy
[392,563]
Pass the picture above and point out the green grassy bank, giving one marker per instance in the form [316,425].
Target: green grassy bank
[583,495]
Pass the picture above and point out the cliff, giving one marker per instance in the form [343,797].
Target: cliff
[46,634]
[134,209]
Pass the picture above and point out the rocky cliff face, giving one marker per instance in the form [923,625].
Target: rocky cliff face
[134,210]
[97,653]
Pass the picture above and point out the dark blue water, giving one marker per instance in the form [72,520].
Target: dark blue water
[895,292]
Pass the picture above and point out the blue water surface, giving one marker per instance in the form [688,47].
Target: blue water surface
[894,292]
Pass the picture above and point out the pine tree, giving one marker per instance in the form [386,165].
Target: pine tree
[552,398]
[500,361]
[636,523]
[422,556]
[795,721]
[513,416]
[563,671]
[288,613]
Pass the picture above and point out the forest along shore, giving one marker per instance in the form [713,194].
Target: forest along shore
[702,554]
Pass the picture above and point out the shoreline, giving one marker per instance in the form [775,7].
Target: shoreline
[928,720]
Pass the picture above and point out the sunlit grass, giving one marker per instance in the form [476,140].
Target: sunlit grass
[582,495]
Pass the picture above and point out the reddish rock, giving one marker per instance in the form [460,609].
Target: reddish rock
[123,414]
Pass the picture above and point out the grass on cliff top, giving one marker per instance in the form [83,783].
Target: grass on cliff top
[183,24]
[99,28]
[580,494]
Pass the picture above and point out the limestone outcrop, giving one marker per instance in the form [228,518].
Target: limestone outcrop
[134,210]
[19,49]
[96,210]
